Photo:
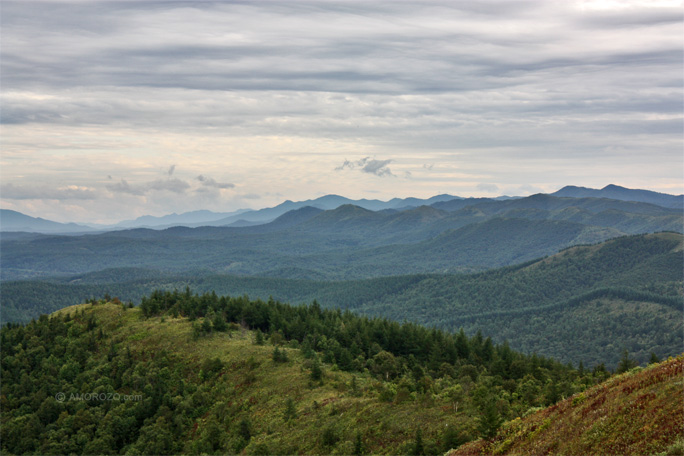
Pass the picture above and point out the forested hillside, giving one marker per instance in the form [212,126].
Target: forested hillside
[587,303]
[200,374]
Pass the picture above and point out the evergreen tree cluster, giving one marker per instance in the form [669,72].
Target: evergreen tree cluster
[386,348]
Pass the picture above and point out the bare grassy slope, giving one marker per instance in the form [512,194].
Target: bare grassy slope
[637,413]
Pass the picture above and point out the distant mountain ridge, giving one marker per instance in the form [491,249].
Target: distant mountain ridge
[16,221]
[350,241]
[329,202]
[625,194]
[193,217]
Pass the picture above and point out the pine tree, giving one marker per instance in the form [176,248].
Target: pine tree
[490,420]
[290,410]
[316,371]
[259,338]
[279,356]
[358,445]
[626,363]
[418,448]
[245,429]
[654,358]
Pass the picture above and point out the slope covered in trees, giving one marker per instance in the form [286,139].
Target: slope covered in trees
[202,374]
[587,303]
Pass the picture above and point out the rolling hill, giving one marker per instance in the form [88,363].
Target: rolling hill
[202,374]
[586,303]
[190,374]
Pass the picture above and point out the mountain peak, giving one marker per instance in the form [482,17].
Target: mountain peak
[350,209]
[613,187]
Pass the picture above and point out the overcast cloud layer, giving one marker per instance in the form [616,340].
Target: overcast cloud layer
[111,110]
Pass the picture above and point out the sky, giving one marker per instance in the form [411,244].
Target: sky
[113,110]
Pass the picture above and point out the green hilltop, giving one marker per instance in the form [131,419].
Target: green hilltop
[202,374]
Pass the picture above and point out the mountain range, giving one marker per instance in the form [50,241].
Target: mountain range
[423,263]
[625,194]
[349,241]
[14,221]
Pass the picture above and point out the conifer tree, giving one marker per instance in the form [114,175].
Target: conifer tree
[418,448]
[654,358]
[626,363]
[316,371]
[290,410]
[490,420]
[358,445]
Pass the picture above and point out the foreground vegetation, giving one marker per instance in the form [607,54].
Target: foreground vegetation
[636,413]
[200,374]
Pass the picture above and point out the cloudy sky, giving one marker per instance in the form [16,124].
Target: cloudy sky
[112,110]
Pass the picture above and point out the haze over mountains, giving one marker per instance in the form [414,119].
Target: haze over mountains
[350,241]
[15,221]
[620,193]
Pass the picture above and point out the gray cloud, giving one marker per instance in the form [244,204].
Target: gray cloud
[377,167]
[125,187]
[169,185]
[368,165]
[470,68]
[210,182]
